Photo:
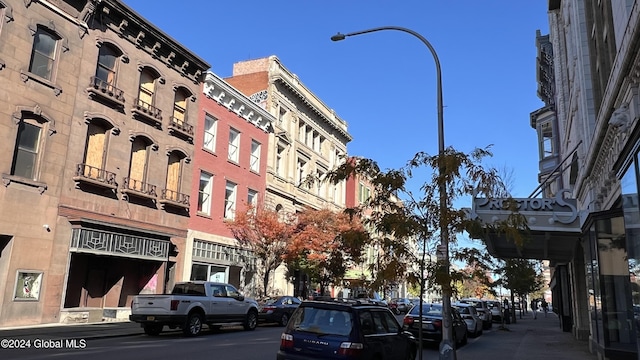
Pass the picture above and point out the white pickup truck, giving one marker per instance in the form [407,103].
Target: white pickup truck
[192,304]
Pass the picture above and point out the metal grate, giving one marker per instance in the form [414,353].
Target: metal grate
[104,242]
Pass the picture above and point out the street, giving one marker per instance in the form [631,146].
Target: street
[528,339]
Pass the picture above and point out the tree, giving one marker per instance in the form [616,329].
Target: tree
[325,244]
[522,277]
[421,215]
[267,233]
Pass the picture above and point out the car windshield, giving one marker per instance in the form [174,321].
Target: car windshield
[322,321]
[271,301]
[463,309]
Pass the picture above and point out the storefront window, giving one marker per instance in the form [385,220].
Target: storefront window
[631,207]
[614,282]
[593,284]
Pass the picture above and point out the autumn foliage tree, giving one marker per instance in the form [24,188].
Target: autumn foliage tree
[325,244]
[267,234]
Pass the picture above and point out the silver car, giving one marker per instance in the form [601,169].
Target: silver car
[496,310]
[470,316]
[483,310]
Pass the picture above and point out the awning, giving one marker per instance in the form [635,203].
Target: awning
[554,227]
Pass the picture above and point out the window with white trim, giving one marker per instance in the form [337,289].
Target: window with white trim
[252,197]
[230,200]
[210,126]
[301,170]
[254,162]
[234,145]
[204,193]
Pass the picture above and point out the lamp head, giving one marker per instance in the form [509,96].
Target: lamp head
[338,37]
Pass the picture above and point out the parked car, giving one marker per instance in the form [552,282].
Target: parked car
[277,309]
[192,304]
[471,318]
[400,305]
[483,310]
[344,329]
[496,310]
[431,323]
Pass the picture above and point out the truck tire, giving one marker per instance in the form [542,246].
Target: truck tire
[193,327]
[251,321]
[152,329]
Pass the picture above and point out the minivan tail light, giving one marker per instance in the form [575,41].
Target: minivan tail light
[350,349]
[174,305]
[408,320]
[286,341]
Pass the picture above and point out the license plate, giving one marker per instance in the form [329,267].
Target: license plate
[427,326]
[151,318]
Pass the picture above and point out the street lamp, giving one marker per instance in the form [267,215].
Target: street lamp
[447,348]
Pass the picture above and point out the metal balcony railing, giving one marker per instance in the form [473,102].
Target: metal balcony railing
[103,88]
[181,125]
[139,187]
[175,198]
[146,109]
[95,175]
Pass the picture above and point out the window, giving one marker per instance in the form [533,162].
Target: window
[280,161]
[210,125]
[363,193]
[254,163]
[146,91]
[25,157]
[174,175]
[281,116]
[204,193]
[302,167]
[3,11]
[95,153]
[180,106]
[138,165]
[230,200]
[252,198]
[234,145]
[322,184]
[546,139]
[43,54]
[106,68]
[302,132]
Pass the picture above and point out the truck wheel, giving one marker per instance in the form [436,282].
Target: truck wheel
[152,329]
[193,327]
[251,321]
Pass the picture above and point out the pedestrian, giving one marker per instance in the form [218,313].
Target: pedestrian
[534,305]
[545,307]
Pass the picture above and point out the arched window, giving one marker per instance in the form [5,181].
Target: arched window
[27,151]
[138,164]
[180,106]
[43,53]
[146,92]
[107,63]
[174,175]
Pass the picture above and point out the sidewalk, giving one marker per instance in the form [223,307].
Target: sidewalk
[73,331]
[528,339]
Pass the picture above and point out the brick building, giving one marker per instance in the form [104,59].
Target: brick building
[230,164]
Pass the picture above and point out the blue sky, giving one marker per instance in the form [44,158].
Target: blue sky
[383,84]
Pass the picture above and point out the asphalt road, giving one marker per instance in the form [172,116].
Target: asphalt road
[227,344]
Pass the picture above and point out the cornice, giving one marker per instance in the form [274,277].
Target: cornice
[131,26]
[278,73]
[226,95]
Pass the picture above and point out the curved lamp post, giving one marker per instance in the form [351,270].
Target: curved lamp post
[447,348]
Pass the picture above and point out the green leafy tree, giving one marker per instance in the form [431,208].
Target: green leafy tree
[522,277]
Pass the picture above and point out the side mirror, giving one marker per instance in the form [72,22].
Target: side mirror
[240,297]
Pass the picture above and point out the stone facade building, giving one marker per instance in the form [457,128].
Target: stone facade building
[97,124]
[309,139]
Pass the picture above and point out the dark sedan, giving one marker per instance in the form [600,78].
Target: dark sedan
[432,324]
[277,309]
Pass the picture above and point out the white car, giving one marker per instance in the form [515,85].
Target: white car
[483,311]
[471,317]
